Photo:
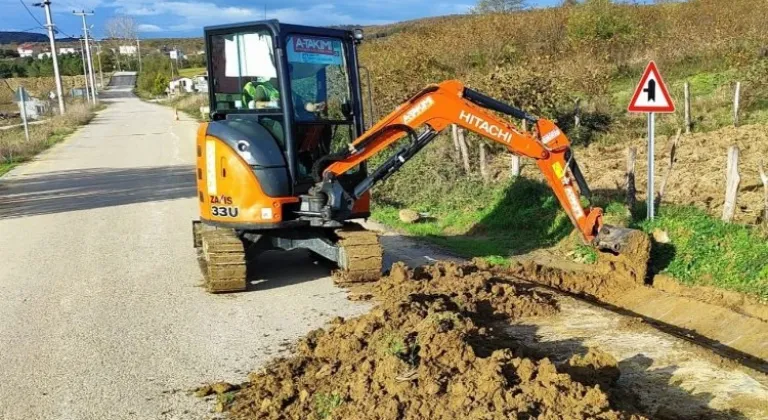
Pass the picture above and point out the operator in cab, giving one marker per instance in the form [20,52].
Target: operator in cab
[261,93]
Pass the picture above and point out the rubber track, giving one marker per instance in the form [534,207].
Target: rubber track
[222,260]
[361,255]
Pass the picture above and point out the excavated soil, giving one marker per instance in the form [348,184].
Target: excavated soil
[713,319]
[698,175]
[429,350]
[734,301]
[631,265]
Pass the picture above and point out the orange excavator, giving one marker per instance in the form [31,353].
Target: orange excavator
[283,164]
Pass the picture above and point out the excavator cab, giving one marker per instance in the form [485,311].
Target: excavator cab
[294,90]
[283,98]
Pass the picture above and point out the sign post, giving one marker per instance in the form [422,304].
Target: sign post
[21,94]
[651,96]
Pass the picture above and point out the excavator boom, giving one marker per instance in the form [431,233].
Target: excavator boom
[437,107]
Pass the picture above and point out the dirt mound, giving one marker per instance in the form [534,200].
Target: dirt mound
[427,351]
[594,368]
[632,263]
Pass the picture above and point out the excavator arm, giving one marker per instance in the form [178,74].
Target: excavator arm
[434,109]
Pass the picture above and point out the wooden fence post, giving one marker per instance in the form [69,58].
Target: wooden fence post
[577,113]
[672,150]
[484,162]
[764,178]
[631,190]
[736,96]
[464,150]
[687,88]
[732,181]
[455,137]
[515,167]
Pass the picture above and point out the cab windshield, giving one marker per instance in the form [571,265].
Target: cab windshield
[319,80]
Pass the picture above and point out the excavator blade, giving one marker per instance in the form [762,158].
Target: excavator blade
[627,250]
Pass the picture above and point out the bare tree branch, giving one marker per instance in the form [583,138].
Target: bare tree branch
[498,6]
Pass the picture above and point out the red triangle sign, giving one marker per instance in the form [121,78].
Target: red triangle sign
[651,94]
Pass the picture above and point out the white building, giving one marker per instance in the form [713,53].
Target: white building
[201,83]
[176,55]
[181,84]
[44,54]
[25,50]
[67,50]
[128,50]
[34,107]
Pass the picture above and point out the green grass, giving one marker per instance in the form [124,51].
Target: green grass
[520,216]
[191,72]
[524,216]
[325,404]
[707,251]
[6,167]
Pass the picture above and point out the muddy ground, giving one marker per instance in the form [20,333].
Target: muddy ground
[698,175]
[470,341]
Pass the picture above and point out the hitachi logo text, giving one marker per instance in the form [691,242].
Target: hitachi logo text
[418,109]
[551,136]
[493,130]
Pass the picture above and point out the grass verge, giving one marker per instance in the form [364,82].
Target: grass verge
[189,103]
[706,251]
[524,216]
[15,149]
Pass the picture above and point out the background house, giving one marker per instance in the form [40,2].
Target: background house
[181,85]
[200,83]
[128,50]
[25,50]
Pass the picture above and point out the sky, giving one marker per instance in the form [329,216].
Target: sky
[186,18]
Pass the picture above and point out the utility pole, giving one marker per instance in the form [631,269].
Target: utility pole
[138,51]
[83,14]
[101,73]
[85,68]
[54,53]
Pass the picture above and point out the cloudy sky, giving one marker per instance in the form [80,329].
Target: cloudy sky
[182,18]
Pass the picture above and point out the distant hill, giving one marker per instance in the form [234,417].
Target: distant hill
[9,37]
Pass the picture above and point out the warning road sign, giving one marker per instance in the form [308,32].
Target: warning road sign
[651,94]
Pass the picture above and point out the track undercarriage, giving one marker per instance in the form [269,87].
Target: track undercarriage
[227,256]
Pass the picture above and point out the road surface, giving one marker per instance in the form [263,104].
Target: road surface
[102,313]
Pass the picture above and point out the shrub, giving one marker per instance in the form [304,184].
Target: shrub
[600,20]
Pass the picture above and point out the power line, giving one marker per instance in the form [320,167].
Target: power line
[31,14]
[31,29]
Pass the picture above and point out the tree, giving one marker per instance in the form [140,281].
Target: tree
[498,6]
[120,29]
[155,74]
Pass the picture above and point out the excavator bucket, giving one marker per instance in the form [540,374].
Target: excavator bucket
[626,250]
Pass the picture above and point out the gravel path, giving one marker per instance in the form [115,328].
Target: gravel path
[101,313]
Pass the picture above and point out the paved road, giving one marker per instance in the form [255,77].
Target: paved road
[101,313]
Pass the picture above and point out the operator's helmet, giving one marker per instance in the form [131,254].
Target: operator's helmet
[262,79]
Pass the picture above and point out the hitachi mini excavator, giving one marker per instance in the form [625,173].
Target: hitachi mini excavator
[283,162]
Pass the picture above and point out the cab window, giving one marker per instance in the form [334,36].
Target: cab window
[319,80]
[244,71]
